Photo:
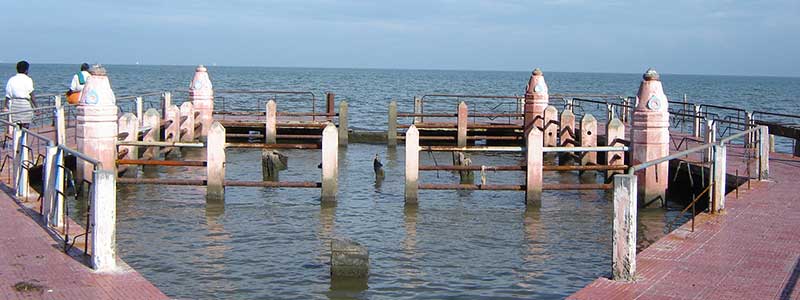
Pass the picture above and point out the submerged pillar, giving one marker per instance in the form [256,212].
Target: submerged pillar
[536,99]
[96,128]
[535,157]
[201,94]
[330,163]
[412,165]
[651,139]
[215,158]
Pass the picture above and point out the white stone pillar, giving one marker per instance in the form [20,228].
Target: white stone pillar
[623,244]
[412,165]
[720,175]
[201,95]
[104,219]
[650,139]
[330,163]
[763,153]
[96,128]
[534,159]
[215,162]
[271,130]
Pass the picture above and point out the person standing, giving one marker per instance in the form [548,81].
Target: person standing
[19,96]
[76,86]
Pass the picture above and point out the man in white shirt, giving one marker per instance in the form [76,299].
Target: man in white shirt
[76,86]
[19,96]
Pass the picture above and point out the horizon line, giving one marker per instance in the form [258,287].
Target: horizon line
[411,69]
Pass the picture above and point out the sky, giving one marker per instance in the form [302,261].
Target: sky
[725,37]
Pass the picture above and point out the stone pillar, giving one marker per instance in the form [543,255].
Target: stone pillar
[104,219]
[139,109]
[623,244]
[536,100]
[550,126]
[418,110]
[412,165]
[151,119]
[461,136]
[534,160]
[343,128]
[48,170]
[215,162]
[201,94]
[330,163]
[651,139]
[588,139]
[615,133]
[697,119]
[391,134]
[61,123]
[96,128]
[271,130]
[719,168]
[763,152]
[188,121]
[21,159]
[173,131]
[129,124]
[566,135]
[166,103]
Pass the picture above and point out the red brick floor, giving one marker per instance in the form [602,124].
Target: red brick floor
[29,254]
[750,252]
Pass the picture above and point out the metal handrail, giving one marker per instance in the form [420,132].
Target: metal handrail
[651,163]
[738,135]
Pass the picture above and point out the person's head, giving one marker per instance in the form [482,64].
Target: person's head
[85,67]
[22,67]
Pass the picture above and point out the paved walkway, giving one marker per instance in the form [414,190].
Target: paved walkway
[750,252]
[34,266]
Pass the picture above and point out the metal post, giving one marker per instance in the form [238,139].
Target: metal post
[329,104]
[391,134]
[330,163]
[623,264]
[412,165]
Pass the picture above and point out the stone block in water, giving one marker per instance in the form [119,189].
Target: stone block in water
[349,259]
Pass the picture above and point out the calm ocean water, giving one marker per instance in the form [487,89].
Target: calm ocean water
[274,243]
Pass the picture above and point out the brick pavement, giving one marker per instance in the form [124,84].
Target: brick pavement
[750,252]
[29,254]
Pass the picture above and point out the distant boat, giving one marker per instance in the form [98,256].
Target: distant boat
[137,63]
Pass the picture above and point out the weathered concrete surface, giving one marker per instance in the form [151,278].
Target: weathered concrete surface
[349,259]
[27,255]
[750,252]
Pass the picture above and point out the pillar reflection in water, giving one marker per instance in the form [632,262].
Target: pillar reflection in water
[410,267]
[216,245]
[535,237]
[327,217]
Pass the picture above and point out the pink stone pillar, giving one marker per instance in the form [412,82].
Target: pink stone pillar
[96,128]
[651,139]
[536,99]
[201,94]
